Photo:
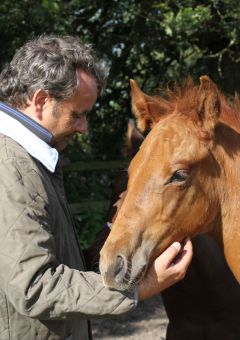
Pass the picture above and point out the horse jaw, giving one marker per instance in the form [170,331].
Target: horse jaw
[125,258]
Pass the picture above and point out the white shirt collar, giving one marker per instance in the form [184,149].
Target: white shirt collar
[35,146]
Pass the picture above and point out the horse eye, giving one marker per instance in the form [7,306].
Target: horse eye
[179,176]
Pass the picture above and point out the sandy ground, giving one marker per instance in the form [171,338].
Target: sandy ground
[147,322]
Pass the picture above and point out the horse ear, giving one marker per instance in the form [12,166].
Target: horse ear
[144,107]
[208,104]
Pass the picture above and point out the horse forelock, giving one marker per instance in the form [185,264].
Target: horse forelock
[182,100]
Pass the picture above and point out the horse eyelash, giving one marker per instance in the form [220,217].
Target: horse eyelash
[181,181]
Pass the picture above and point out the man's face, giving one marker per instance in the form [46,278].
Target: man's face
[64,119]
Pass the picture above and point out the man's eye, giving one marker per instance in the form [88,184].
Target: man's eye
[179,176]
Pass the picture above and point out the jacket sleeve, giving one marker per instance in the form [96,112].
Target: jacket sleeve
[35,283]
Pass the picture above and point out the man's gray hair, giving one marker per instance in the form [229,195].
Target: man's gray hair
[48,63]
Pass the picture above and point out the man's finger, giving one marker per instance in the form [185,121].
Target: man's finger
[170,253]
[186,256]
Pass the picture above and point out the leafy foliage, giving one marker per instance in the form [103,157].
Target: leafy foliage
[89,188]
[156,42]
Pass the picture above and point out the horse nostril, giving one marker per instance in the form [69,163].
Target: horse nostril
[120,270]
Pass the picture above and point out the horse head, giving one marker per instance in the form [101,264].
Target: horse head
[176,182]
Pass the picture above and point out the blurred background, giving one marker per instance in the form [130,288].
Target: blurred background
[157,43]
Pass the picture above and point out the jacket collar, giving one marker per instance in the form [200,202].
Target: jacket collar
[29,134]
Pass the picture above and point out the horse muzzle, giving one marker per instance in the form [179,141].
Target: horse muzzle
[121,272]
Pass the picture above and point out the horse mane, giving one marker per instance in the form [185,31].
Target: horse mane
[182,99]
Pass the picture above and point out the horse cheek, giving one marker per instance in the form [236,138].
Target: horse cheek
[199,214]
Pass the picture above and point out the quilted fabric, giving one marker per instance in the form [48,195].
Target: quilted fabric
[44,292]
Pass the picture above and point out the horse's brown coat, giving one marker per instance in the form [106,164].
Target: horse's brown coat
[183,181]
[205,305]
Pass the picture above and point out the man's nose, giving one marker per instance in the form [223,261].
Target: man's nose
[82,125]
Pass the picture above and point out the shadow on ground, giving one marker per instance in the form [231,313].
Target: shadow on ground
[147,322]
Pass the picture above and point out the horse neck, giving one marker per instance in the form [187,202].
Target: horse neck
[227,154]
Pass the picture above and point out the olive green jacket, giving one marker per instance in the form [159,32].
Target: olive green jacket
[44,292]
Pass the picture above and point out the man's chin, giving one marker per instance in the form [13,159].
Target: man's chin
[61,144]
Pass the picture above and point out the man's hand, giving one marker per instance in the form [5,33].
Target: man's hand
[167,269]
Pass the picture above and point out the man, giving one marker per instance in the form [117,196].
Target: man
[46,91]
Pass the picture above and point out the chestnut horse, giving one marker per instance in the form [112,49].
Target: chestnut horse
[183,181]
[198,306]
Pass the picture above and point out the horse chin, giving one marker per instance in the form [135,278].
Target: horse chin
[127,284]
[124,272]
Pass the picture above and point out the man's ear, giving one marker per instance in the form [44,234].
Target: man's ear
[38,102]
[147,109]
[208,101]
